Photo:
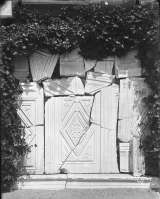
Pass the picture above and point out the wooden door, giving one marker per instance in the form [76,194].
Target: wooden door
[31,113]
[71,140]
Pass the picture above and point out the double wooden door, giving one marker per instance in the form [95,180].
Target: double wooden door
[76,133]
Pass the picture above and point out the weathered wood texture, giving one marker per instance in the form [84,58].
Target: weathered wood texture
[72,64]
[64,86]
[31,113]
[42,65]
[132,110]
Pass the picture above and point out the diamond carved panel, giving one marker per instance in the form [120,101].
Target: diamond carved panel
[75,128]
[76,124]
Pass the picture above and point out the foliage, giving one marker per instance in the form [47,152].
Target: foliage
[13,145]
[98,31]
[151,142]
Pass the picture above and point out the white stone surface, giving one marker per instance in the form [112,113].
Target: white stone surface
[72,64]
[125,157]
[64,86]
[109,107]
[71,142]
[132,109]
[98,181]
[42,65]
[97,81]
[31,113]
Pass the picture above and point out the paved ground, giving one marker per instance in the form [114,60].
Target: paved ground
[83,194]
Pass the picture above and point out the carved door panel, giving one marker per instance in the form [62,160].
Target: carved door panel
[72,141]
[31,113]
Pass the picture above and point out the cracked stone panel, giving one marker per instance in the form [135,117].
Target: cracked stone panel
[105,66]
[71,141]
[97,81]
[72,64]
[109,109]
[31,112]
[64,86]
[42,65]
[132,110]
[129,65]
[106,119]
[89,64]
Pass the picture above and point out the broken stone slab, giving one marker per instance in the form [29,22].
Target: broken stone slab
[64,86]
[21,68]
[97,81]
[107,99]
[132,109]
[129,65]
[105,66]
[125,152]
[89,64]
[72,64]
[42,65]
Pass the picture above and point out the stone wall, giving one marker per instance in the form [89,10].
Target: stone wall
[77,76]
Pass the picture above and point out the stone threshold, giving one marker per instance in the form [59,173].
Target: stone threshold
[84,181]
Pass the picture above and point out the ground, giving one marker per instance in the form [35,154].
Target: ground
[83,194]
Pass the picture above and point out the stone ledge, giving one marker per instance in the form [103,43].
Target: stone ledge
[84,181]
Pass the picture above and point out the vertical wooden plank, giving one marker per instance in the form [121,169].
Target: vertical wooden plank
[31,113]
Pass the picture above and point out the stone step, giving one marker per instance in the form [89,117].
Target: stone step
[83,181]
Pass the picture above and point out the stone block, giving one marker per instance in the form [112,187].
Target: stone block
[105,66]
[42,65]
[97,81]
[89,64]
[125,157]
[64,86]
[72,64]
